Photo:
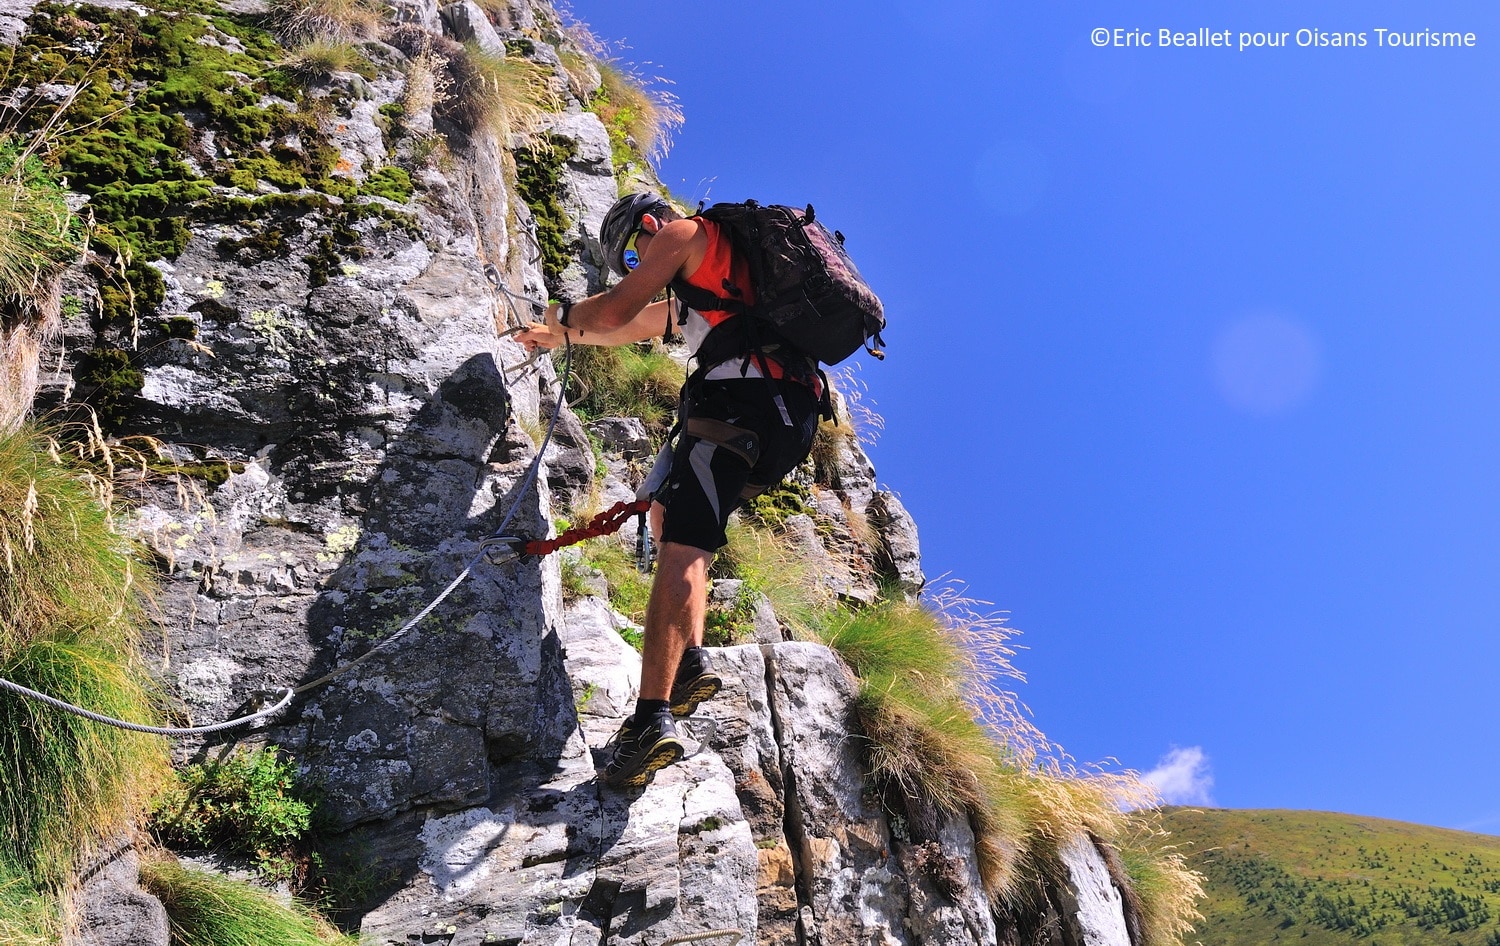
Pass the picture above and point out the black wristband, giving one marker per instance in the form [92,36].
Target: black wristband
[564,309]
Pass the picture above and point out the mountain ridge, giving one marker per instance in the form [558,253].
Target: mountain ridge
[1327,878]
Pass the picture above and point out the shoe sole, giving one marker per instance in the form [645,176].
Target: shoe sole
[664,753]
[701,690]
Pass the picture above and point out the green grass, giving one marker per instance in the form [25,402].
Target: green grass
[629,381]
[639,116]
[770,565]
[27,918]
[629,590]
[210,910]
[1324,879]
[69,607]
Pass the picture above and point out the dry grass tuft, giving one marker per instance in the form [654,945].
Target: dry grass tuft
[857,424]
[321,57]
[637,110]
[640,114]
[506,97]
[943,727]
[305,21]
[1166,890]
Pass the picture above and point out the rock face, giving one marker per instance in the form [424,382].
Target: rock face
[377,434]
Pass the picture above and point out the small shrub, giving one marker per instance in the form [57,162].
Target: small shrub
[248,803]
[206,909]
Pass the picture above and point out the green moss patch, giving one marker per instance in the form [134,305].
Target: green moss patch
[539,182]
[108,381]
[389,182]
[173,103]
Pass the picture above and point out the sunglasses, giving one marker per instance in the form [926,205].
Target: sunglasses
[631,257]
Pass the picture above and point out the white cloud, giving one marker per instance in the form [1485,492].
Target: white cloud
[1183,777]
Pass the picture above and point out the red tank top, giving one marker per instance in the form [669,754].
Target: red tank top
[720,265]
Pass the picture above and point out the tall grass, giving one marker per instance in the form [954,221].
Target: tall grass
[321,57]
[211,910]
[70,603]
[770,565]
[38,233]
[1166,889]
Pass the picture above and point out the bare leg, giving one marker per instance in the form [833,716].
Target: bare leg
[674,617]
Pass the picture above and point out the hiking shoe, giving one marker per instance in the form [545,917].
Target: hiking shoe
[695,682]
[640,749]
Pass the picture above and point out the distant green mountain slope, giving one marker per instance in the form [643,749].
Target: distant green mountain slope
[1320,879]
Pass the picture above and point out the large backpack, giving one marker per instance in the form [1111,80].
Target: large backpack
[809,295]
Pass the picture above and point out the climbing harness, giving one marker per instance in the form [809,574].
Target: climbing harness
[514,548]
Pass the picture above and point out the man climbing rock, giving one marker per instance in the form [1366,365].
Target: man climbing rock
[747,418]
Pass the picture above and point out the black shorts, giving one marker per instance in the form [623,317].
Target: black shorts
[725,426]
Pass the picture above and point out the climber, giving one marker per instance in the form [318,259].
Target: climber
[744,422]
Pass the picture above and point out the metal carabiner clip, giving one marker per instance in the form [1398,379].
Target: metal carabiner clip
[503,549]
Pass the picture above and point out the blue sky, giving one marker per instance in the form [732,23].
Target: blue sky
[1193,355]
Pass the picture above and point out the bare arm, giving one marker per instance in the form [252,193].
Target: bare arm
[624,313]
[650,322]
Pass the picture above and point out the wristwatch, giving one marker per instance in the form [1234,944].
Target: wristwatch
[564,309]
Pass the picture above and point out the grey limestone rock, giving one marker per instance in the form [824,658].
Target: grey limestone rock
[1095,901]
[900,553]
[465,21]
[113,910]
[625,436]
